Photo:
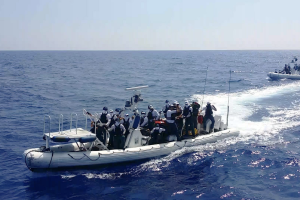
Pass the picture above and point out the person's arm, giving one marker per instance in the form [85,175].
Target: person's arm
[108,121]
[111,128]
[161,130]
[213,107]
[145,121]
[123,128]
[157,115]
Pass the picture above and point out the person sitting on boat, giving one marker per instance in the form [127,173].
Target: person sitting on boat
[152,115]
[118,132]
[172,127]
[154,134]
[144,120]
[209,115]
[187,114]
[103,123]
[166,108]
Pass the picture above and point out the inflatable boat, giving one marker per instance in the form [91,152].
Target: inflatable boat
[80,147]
[276,76]
[289,72]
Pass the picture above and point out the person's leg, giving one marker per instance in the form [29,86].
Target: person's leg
[192,126]
[212,122]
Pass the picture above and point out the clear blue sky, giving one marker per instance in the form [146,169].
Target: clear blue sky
[149,24]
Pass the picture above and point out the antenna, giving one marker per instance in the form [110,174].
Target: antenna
[228,98]
[204,86]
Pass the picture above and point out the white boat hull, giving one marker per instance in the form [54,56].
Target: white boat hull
[276,76]
[36,159]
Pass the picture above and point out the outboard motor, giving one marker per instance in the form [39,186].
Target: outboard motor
[127,104]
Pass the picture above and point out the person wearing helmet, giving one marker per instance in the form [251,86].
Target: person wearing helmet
[126,123]
[154,134]
[195,113]
[144,120]
[171,115]
[209,115]
[152,115]
[112,118]
[187,115]
[103,123]
[178,118]
[166,108]
[118,131]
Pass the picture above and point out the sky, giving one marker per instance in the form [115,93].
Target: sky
[149,25]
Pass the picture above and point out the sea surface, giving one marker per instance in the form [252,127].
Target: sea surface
[263,162]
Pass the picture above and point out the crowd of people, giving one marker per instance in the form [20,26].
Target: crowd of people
[172,119]
[287,67]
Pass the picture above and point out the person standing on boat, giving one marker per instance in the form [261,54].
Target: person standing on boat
[171,115]
[166,108]
[178,118]
[152,115]
[118,131]
[195,113]
[209,115]
[187,114]
[144,120]
[112,118]
[126,123]
[103,122]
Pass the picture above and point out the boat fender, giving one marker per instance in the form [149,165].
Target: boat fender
[60,138]
[200,119]
[85,139]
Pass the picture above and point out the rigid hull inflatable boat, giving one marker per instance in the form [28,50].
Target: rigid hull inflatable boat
[82,151]
[81,147]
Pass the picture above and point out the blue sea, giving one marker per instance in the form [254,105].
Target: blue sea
[263,162]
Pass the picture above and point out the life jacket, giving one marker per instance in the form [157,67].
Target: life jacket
[196,108]
[166,108]
[186,111]
[173,115]
[156,131]
[142,121]
[112,121]
[150,115]
[126,123]
[208,110]
[103,118]
[118,130]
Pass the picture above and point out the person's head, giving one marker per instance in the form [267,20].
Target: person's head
[111,112]
[208,104]
[186,103]
[150,107]
[126,116]
[143,114]
[167,101]
[105,110]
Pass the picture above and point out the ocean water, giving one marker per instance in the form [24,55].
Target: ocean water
[263,162]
